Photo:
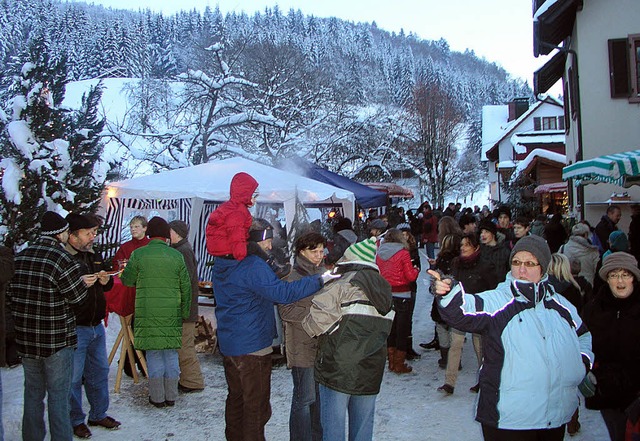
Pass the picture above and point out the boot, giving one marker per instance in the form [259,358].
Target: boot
[444,355]
[573,426]
[433,344]
[400,366]
[156,391]
[170,391]
[391,353]
[446,388]
[411,354]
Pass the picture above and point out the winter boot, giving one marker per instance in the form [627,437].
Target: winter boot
[400,366]
[433,344]
[411,354]
[391,353]
[444,355]
[170,391]
[573,426]
[446,388]
[156,391]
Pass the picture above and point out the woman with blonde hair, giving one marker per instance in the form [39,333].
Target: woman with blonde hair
[562,280]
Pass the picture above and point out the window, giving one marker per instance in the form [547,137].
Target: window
[549,123]
[624,67]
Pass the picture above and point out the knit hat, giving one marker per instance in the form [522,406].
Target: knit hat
[158,227]
[403,227]
[260,230]
[363,251]
[378,224]
[180,227]
[580,229]
[52,223]
[536,246]
[619,260]
[81,222]
[489,226]
[618,241]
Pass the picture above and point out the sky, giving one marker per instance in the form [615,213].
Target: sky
[498,30]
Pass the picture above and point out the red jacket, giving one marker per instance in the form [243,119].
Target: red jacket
[228,226]
[430,228]
[395,266]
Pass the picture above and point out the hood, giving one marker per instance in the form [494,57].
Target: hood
[532,292]
[559,286]
[583,242]
[375,287]
[388,249]
[242,188]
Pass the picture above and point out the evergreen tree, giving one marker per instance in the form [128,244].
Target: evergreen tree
[45,159]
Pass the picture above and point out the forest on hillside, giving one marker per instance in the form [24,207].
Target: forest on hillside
[348,96]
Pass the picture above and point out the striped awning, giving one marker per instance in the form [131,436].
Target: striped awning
[621,169]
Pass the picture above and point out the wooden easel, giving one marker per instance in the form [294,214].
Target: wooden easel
[125,341]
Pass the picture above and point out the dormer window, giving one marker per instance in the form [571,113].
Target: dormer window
[548,123]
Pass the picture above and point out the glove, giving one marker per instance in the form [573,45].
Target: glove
[328,276]
[588,385]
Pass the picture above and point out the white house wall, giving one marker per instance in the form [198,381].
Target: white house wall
[608,125]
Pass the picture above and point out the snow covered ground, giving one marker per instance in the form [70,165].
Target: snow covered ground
[408,407]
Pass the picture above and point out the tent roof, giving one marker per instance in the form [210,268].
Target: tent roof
[366,197]
[621,169]
[211,181]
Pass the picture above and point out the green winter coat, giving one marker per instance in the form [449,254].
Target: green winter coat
[163,295]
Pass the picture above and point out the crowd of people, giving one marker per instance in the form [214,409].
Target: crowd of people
[553,313]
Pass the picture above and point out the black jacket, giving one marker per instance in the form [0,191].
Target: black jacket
[94,308]
[475,275]
[615,329]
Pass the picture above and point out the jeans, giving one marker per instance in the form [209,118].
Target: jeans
[304,420]
[333,409]
[431,249]
[1,426]
[247,408]
[163,363]
[49,376]
[91,364]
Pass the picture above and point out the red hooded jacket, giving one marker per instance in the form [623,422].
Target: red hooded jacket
[228,226]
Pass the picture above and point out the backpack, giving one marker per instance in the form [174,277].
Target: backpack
[596,241]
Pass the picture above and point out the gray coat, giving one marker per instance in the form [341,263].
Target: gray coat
[581,249]
[186,250]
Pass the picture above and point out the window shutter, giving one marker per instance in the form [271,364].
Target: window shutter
[561,123]
[537,126]
[619,68]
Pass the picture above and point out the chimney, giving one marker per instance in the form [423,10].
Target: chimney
[517,107]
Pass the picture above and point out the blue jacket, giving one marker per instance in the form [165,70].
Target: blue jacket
[245,293]
[536,351]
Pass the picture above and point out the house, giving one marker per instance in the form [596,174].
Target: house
[528,142]
[596,51]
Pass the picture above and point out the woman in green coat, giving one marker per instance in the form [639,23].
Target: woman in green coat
[163,300]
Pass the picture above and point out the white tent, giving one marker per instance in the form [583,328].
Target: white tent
[192,193]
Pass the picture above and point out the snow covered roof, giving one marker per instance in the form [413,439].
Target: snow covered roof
[494,122]
[538,154]
[510,127]
[521,140]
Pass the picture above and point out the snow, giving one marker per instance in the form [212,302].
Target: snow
[11,180]
[537,153]
[408,406]
[542,9]
[494,121]
[22,138]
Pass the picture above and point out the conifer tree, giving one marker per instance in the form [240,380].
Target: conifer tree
[49,157]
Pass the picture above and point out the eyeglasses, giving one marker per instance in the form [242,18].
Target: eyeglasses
[620,276]
[255,195]
[527,264]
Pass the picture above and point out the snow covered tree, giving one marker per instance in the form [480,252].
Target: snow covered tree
[438,120]
[49,157]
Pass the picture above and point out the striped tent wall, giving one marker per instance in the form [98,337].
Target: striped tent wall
[120,212]
[198,236]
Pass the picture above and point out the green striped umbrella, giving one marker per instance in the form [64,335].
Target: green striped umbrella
[621,169]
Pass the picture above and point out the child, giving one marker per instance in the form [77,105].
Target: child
[228,226]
